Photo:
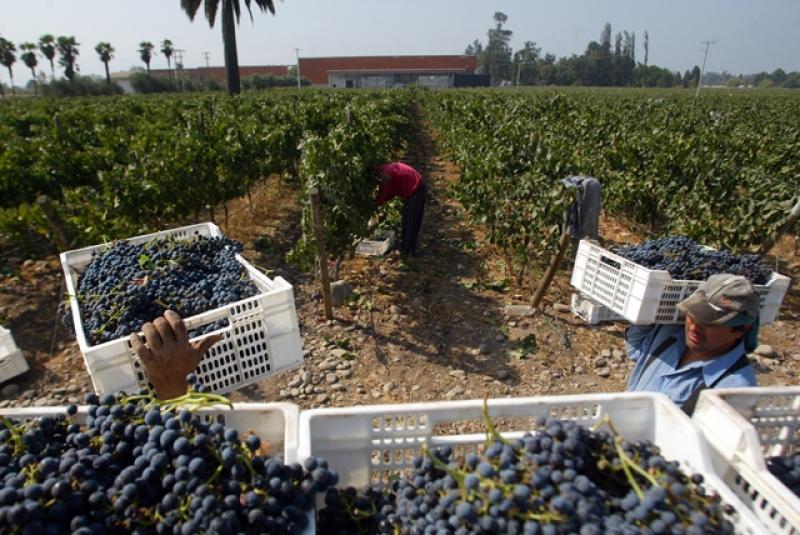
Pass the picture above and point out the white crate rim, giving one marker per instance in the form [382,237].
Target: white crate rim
[736,443]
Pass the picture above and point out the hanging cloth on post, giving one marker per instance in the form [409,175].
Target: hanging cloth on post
[583,217]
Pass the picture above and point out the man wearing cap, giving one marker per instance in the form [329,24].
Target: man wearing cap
[708,351]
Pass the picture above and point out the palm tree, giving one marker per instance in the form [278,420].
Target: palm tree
[47,46]
[167,49]
[106,53]
[68,54]
[28,57]
[146,53]
[230,9]
[7,58]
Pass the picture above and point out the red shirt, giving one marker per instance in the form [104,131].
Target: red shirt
[403,182]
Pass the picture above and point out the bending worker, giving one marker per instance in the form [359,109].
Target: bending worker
[708,351]
[401,180]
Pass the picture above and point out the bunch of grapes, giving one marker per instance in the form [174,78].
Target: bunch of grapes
[563,479]
[687,260]
[787,470]
[139,467]
[129,285]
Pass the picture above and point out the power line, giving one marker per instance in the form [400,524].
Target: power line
[207,56]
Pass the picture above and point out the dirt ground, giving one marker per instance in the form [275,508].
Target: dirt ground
[428,328]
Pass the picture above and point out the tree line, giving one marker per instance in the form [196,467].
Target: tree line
[610,61]
[67,52]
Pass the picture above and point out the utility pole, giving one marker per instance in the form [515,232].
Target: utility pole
[207,55]
[179,52]
[297,54]
[703,69]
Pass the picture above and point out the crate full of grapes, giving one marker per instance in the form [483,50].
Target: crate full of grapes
[196,271]
[644,283]
[755,437]
[597,463]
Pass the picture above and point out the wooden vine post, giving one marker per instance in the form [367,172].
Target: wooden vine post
[54,222]
[322,255]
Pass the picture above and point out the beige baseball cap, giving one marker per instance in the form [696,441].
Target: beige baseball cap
[721,298]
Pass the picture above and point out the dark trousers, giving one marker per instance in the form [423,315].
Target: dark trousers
[412,221]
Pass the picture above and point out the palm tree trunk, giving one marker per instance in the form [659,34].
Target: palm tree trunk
[35,85]
[169,68]
[108,74]
[53,70]
[229,41]
[148,68]
[11,75]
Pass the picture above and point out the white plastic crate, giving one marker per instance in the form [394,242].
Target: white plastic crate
[376,247]
[12,362]
[274,423]
[261,338]
[591,312]
[369,445]
[646,296]
[743,425]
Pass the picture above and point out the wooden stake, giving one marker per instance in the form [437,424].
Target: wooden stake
[563,242]
[322,255]
[54,222]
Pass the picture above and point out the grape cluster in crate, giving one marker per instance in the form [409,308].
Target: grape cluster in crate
[143,466]
[787,470]
[130,284]
[686,259]
[564,479]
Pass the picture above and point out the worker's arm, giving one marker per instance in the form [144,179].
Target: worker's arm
[168,356]
[638,337]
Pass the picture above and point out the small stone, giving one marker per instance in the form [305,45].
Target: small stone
[512,324]
[456,391]
[796,357]
[73,400]
[328,365]
[766,351]
[305,353]
[618,354]
[457,373]
[294,383]
[309,389]
[28,394]
[501,374]
[331,378]
[376,394]
[5,403]
[340,291]
[306,377]
[606,353]
[604,372]
[500,337]
[339,387]
[294,392]
[344,374]
[484,349]
[58,392]
[415,388]
[10,390]
[322,398]
[561,307]
[600,363]
[580,370]
[519,310]
[387,388]
[343,365]
[555,374]
[319,389]
[284,394]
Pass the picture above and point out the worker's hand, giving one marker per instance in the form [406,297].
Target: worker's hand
[168,356]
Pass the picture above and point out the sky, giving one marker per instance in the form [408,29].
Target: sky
[751,35]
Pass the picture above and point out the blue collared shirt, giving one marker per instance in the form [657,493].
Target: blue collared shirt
[662,374]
